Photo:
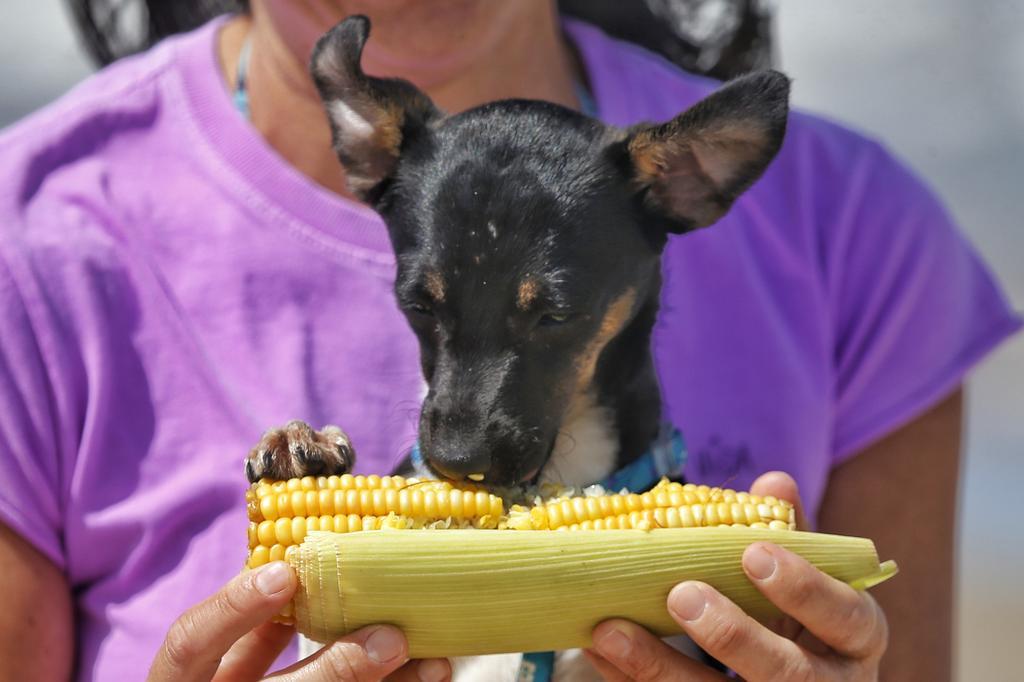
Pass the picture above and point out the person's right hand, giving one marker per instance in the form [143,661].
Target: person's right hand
[229,637]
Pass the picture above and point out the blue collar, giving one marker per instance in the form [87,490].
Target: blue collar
[665,457]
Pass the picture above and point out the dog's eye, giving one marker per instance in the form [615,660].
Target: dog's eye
[420,309]
[554,319]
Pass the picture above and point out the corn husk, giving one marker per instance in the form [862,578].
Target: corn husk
[471,592]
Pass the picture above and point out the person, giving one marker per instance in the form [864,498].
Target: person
[178,273]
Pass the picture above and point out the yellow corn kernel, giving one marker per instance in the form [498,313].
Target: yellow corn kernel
[258,556]
[298,529]
[283,531]
[265,533]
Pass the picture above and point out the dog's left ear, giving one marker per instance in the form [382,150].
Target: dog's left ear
[691,169]
[371,118]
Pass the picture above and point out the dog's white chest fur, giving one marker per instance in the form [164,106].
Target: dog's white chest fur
[586,446]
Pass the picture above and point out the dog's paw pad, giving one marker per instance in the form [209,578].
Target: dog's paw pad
[297,450]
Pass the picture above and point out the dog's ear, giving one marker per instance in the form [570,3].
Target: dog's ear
[371,118]
[692,168]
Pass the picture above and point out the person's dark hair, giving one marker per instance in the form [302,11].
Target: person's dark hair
[720,38]
[111,29]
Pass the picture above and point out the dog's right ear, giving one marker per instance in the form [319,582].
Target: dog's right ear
[371,118]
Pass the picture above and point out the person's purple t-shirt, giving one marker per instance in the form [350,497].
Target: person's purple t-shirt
[169,289]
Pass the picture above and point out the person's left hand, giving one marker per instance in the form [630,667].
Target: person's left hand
[833,632]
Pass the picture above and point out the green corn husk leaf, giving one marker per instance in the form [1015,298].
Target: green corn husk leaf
[471,592]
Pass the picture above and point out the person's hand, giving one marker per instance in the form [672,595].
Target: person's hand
[228,637]
[832,632]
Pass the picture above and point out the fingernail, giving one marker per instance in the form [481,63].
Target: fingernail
[273,578]
[687,601]
[759,562]
[432,670]
[615,644]
[384,644]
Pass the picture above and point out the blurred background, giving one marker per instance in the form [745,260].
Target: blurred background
[942,83]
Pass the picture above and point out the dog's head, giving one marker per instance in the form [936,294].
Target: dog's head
[528,237]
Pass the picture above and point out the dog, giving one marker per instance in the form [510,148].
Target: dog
[528,240]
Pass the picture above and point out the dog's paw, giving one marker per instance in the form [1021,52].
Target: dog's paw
[297,450]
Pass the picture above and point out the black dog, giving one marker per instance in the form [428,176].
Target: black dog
[528,239]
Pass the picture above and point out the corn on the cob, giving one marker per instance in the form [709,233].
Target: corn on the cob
[516,580]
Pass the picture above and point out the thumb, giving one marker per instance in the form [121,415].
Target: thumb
[364,655]
[196,641]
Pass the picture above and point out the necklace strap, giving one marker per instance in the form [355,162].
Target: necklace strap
[588,104]
[240,96]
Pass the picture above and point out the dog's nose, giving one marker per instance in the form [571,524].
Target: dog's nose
[456,445]
[458,457]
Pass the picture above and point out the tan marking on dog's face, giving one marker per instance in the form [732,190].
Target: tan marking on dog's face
[527,294]
[614,320]
[435,286]
[582,398]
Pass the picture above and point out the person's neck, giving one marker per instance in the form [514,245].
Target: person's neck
[529,60]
